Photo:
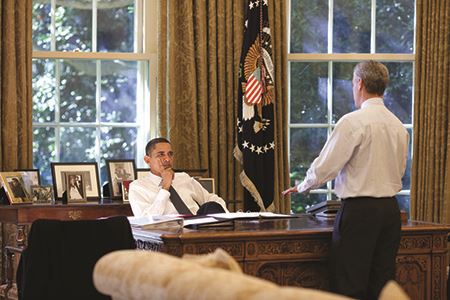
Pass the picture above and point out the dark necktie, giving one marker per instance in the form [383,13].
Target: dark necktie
[180,206]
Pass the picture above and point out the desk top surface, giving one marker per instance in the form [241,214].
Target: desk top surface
[303,224]
[27,213]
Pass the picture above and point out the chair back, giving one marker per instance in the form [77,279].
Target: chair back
[60,256]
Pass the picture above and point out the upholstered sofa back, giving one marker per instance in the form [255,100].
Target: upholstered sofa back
[139,275]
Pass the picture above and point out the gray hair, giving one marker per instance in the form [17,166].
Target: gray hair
[374,74]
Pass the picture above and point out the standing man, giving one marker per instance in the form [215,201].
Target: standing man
[164,192]
[366,153]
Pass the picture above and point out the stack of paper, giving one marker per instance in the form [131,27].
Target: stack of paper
[156,222]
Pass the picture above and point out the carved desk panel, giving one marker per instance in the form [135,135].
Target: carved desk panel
[294,251]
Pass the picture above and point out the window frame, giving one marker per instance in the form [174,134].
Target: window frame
[146,96]
[330,58]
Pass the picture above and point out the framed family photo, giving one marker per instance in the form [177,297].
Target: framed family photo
[125,189]
[14,187]
[30,177]
[76,187]
[42,194]
[87,173]
[119,171]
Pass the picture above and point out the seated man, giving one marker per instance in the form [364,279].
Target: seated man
[156,193]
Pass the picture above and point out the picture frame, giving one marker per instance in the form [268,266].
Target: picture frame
[14,187]
[125,189]
[142,172]
[91,178]
[207,183]
[30,177]
[42,194]
[76,187]
[119,170]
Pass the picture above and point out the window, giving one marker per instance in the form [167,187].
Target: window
[327,39]
[94,70]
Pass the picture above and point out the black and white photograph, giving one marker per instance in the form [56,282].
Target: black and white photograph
[75,187]
[30,177]
[42,194]
[88,173]
[119,171]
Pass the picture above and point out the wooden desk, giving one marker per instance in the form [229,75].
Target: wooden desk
[16,219]
[294,251]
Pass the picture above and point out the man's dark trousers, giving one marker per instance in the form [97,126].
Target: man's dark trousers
[365,242]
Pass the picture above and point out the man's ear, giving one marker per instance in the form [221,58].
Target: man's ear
[360,84]
[146,159]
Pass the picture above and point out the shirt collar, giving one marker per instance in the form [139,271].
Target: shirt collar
[372,101]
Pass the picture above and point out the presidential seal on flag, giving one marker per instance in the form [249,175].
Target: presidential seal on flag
[255,132]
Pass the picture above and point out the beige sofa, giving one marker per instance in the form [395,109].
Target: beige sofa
[136,275]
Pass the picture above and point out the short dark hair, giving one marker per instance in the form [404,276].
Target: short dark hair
[375,76]
[152,143]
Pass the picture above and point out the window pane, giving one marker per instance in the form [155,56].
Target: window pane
[41,25]
[351,26]
[115,26]
[44,152]
[395,26]
[398,96]
[117,143]
[406,180]
[342,89]
[73,25]
[118,96]
[78,144]
[309,92]
[305,146]
[44,91]
[403,203]
[77,91]
[300,202]
[309,26]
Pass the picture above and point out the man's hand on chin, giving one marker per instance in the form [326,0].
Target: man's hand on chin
[167,175]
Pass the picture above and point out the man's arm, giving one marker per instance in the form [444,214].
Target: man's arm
[332,158]
[203,196]
[148,200]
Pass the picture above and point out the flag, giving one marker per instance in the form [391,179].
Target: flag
[255,129]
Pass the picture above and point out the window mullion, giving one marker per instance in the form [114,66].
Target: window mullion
[373,12]
[98,106]
[53,26]
[57,109]
[139,27]
[330,25]
[330,113]
[94,26]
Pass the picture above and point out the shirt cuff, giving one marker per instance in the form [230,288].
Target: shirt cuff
[301,188]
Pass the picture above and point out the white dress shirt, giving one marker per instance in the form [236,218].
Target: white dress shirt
[148,198]
[367,151]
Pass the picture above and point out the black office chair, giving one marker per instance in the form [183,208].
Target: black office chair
[60,257]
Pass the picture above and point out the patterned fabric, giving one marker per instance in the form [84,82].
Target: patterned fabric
[197,87]
[430,175]
[15,85]
[255,127]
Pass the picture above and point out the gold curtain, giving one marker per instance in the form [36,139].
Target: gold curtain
[430,187]
[200,46]
[15,85]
